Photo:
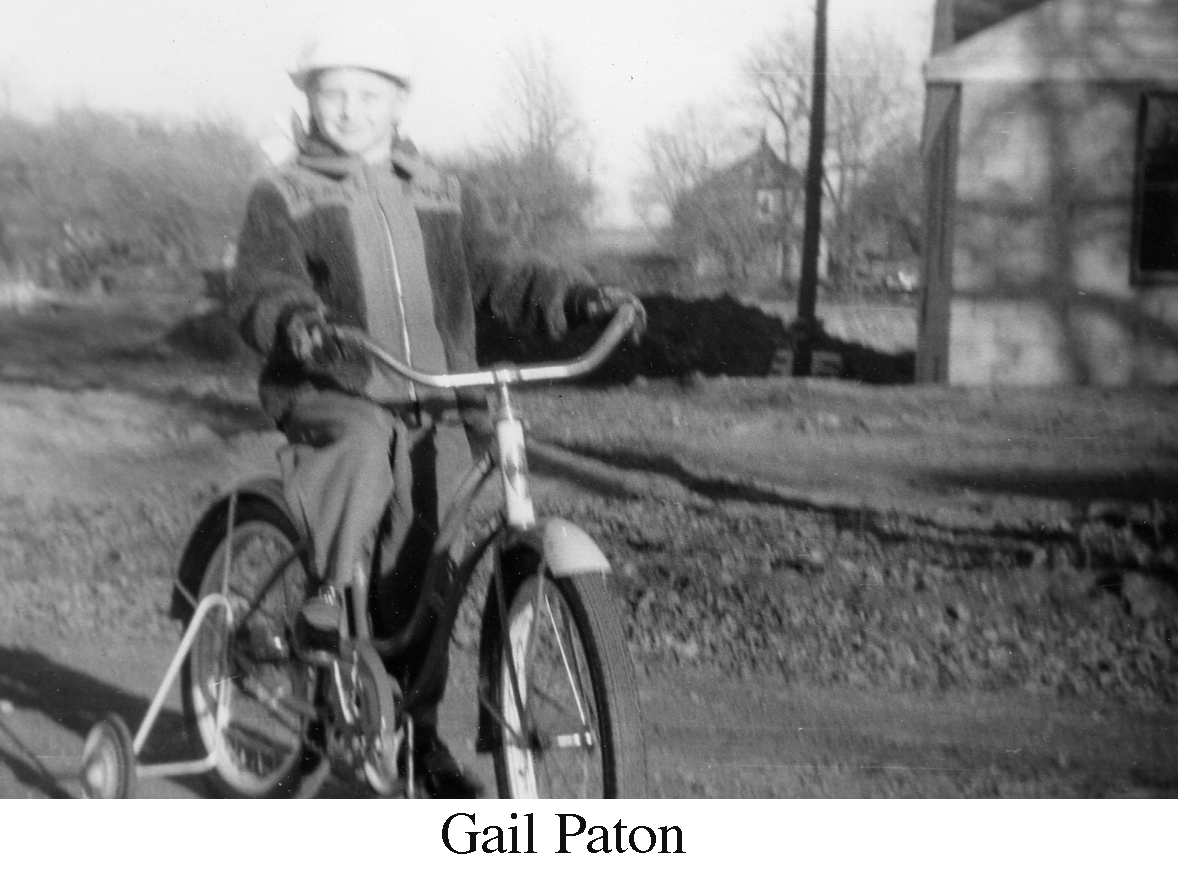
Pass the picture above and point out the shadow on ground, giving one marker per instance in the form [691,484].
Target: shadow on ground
[552,458]
[76,701]
[1077,487]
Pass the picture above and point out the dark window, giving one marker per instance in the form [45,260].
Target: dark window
[1156,249]
[768,205]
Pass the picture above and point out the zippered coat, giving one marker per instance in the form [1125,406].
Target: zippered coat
[398,250]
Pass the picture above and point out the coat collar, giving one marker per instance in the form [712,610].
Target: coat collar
[321,156]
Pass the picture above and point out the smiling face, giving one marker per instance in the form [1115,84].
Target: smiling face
[357,110]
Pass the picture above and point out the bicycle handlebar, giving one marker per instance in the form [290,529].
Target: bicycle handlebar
[619,325]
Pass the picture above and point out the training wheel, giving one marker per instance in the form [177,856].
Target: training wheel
[108,761]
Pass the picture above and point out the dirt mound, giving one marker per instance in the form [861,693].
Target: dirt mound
[698,336]
[858,361]
[683,336]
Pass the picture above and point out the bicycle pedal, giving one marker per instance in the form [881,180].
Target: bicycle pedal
[313,645]
[316,656]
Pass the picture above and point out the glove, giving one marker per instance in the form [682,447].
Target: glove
[310,339]
[599,303]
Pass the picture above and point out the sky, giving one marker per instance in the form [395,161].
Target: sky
[630,64]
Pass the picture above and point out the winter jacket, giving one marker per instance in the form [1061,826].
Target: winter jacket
[402,252]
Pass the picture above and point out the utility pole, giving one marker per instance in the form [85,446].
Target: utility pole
[807,322]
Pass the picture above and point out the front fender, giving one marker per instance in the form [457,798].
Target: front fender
[565,548]
[207,535]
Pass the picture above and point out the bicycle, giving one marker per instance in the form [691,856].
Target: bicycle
[557,696]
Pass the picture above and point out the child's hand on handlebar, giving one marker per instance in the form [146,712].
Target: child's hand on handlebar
[603,302]
[311,340]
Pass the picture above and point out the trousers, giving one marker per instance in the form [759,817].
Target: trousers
[348,459]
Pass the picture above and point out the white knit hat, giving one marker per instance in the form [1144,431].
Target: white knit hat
[354,41]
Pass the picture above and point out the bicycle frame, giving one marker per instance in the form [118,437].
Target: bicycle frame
[553,544]
[446,582]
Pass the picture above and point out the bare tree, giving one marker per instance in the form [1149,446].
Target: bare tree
[536,178]
[890,196]
[681,156]
[779,71]
[542,117]
[693,191]
[871,98]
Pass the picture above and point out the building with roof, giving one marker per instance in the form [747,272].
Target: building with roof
[1051,223]
[743,223]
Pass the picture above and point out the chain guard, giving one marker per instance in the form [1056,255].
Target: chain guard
[364,727]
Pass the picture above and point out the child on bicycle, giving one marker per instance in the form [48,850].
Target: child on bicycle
[358,231]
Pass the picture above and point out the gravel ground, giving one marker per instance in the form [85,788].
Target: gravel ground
[740,587]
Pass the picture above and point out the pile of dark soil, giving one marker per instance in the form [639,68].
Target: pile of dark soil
[695,336]
[857,361]
[683,336]
[704,336]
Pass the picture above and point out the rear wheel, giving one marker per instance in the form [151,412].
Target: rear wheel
[564,696]
[244,694]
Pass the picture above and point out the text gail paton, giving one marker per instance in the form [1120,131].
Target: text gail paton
[462,833]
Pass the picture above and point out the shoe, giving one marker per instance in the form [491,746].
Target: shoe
[438,772]
[317,625]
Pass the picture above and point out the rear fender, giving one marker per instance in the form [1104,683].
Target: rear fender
[208,533]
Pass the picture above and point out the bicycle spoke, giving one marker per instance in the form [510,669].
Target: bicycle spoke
[275,575]
[248,695]
[275,704]
[535,621]
[509,652]
[564,658]
[245,739]
[486,703]
[552,700]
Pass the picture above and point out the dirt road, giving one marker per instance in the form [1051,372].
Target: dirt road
[851,621]
[708,735]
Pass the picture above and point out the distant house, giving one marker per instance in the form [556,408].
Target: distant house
[1051,231]
[743,223]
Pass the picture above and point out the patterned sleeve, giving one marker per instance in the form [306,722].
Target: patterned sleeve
[270,279]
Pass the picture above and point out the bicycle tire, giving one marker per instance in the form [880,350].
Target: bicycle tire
[222,661]
[108,760]
[602,744]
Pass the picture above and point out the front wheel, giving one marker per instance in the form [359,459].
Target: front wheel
[563,694]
